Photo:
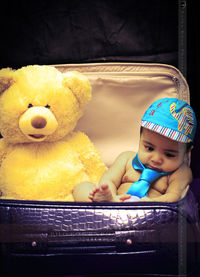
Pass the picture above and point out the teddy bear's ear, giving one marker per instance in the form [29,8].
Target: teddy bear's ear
[79,85]
[6,79]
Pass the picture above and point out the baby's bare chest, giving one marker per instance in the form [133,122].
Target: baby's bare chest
[133,175]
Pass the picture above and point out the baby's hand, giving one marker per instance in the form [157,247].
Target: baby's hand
[95,190]
[124,197]
[102,193]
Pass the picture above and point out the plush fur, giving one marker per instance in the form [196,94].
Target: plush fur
[41,158]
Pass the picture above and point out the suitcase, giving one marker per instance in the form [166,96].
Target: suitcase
[40,238]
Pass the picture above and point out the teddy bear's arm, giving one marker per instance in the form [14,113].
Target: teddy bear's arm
[3,150]
[89,156]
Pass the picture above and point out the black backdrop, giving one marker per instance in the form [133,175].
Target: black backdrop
[62,31]
[49,32]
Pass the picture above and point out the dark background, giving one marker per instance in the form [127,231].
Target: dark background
[57,32]
[49,32]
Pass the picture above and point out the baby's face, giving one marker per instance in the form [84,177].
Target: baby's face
[160,153]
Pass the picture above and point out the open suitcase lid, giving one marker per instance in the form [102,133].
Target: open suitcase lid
[121,94]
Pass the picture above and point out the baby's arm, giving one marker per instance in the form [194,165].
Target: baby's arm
[110,179]
[178,183]
[113,176]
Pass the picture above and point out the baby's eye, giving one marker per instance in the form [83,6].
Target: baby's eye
[169,155]
[149,148]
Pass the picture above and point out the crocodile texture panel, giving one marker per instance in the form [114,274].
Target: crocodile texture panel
[157,232]
[46,220]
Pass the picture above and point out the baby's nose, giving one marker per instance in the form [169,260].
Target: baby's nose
[156,158]
[38,122]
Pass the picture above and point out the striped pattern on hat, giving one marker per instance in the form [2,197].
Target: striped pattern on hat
[170,133]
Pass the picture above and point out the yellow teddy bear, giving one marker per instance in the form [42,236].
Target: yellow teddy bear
[41,158]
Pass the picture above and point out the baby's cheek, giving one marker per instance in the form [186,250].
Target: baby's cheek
[142,156]
[171,165]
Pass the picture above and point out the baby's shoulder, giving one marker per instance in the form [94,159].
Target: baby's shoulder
[125,158]
[129,155]
[183,172]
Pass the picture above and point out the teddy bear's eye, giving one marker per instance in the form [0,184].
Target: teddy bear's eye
[47,106]
[30,105]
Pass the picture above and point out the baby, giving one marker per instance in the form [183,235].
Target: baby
[160,170]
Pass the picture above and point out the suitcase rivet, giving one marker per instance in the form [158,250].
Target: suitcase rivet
[129,241]
[34,243]
[175,79]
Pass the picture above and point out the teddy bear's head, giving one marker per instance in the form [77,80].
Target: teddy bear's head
[39,103]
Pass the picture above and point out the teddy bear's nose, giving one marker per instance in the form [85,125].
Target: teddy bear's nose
[38,122]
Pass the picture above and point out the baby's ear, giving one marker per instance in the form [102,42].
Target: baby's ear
[6,79]
[79,85]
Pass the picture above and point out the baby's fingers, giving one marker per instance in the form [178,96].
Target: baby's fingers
[125,197]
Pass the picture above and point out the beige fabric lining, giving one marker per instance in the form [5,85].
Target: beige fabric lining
[120,95]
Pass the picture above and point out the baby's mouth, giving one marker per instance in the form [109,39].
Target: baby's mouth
[154,168]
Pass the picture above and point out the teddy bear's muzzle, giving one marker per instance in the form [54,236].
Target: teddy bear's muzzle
[37,123]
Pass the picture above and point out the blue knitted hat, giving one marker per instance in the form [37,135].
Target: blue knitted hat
[172,118]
